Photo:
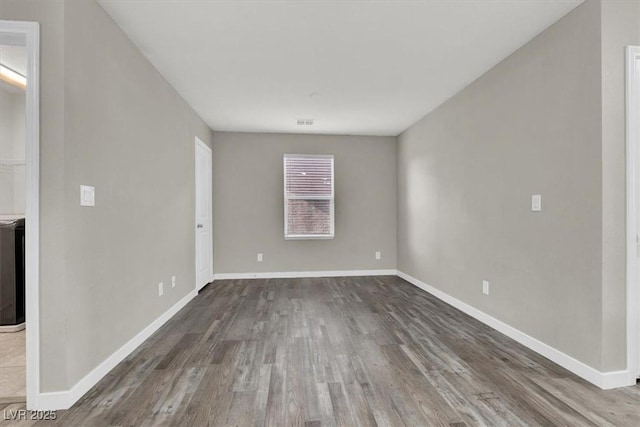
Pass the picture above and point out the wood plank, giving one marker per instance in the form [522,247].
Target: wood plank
[336,351]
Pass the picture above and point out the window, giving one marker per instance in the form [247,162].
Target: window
[308,197]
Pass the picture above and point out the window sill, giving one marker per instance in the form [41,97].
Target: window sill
[309,237]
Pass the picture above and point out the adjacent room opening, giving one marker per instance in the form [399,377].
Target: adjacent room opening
[13,190]
[19,211]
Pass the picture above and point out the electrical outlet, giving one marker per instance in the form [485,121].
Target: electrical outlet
[485,287]
[87,195]
[173,281]
[160,289]
[536,203]
[259,257]
[378,255]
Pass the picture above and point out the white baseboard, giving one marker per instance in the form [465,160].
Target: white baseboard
[604,380]
[615,379]
[66,399]
[299,274]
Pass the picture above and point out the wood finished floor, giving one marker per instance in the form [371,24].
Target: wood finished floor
[337,351]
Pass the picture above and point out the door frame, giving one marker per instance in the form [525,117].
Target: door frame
[633,213]
[199,143]
[28,33]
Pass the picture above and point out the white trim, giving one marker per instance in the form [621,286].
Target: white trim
[604,380]
[633,174]
[299,274]
[30,32]
[66,399]
[309,236]
[310,156]
[207,148]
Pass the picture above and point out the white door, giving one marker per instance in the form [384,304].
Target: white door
[204,231]
[633,210]
[634,126]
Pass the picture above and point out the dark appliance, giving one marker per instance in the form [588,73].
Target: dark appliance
[12,282]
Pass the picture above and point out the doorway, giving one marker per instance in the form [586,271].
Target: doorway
[633,212]
[13,190]
[19,211]
[204,214]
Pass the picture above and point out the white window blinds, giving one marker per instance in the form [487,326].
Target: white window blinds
[308,197]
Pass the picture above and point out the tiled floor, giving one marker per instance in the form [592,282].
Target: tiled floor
[12,367]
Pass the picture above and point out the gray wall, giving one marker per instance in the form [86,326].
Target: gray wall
[531,125]
[131,135]
[249,213]
[110,120]
[620,28]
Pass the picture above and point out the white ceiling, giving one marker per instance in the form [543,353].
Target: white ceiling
[356,67]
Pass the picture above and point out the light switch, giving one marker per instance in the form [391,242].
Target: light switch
[87,195]
[259,257]
[485,287]
[536,203]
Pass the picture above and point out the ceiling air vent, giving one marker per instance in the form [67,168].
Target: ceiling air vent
[304,122]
